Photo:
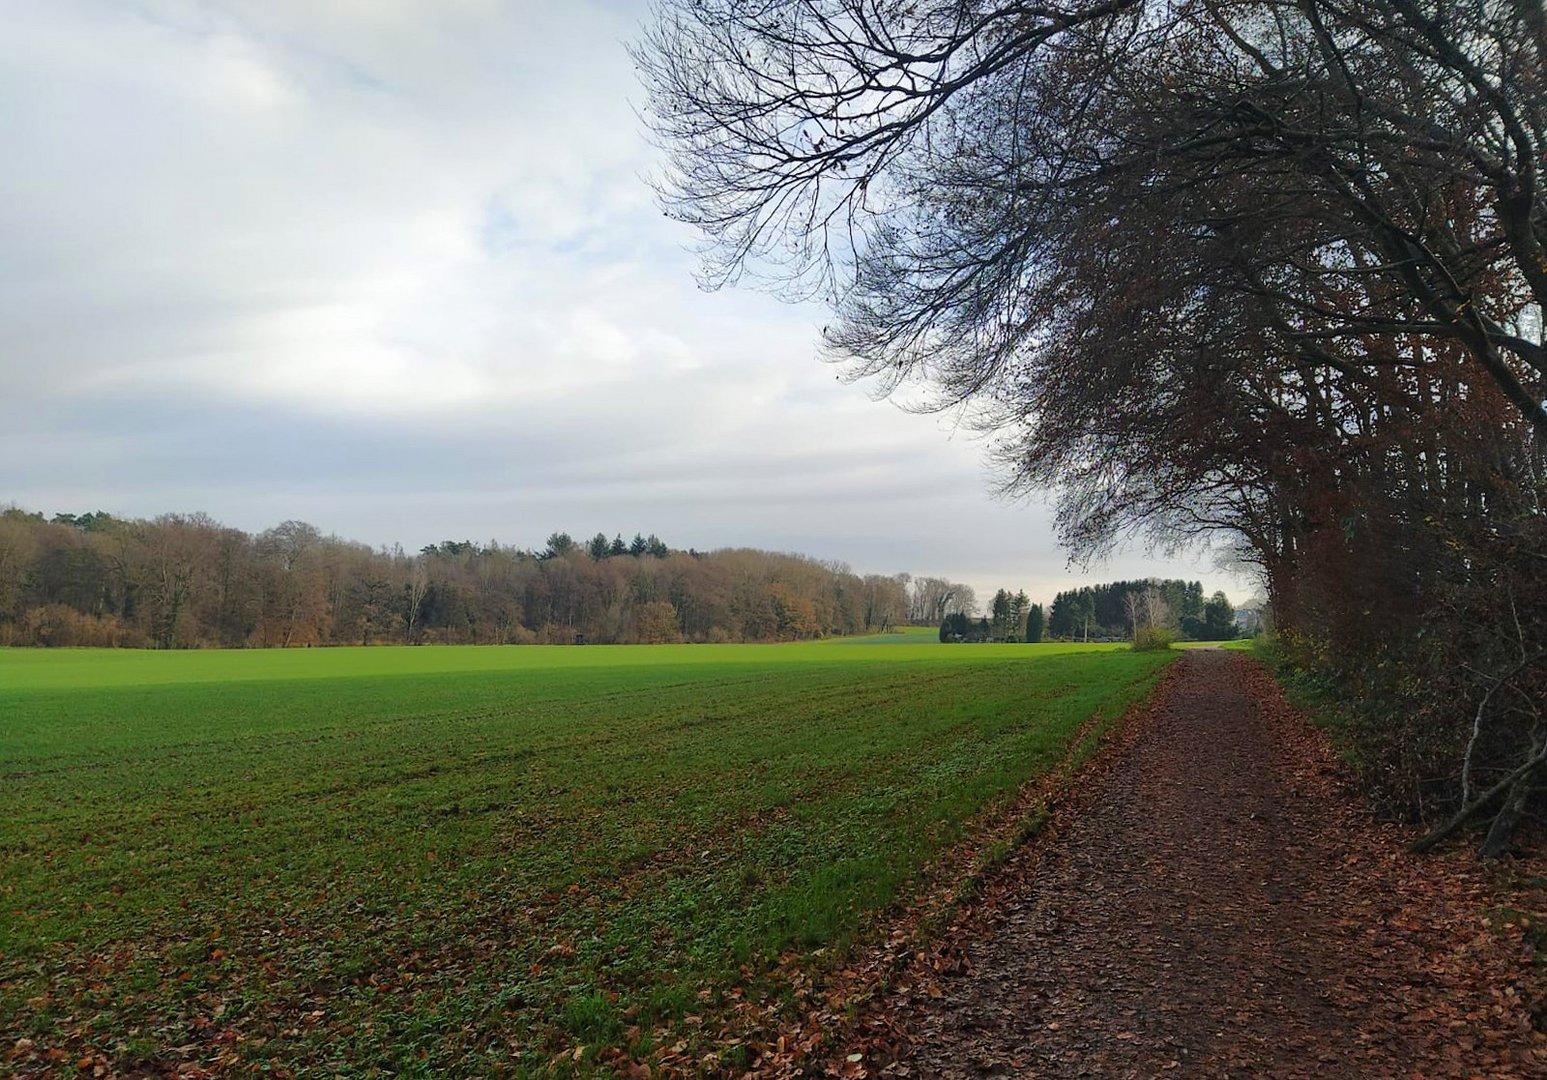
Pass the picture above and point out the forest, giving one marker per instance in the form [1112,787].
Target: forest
[186,581]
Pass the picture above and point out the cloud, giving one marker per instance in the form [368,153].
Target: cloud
[390,266]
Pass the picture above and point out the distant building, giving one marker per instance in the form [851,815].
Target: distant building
[1248,621]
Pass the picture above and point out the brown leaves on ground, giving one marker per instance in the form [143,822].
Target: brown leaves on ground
[1212,902]
[1206,898]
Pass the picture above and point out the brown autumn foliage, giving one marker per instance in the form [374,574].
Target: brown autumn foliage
[187,582]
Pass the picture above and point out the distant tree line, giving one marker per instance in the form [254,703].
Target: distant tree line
[1010,618]
[1109,612]
[186,581]
[1116,610]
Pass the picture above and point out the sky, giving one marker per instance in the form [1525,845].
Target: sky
[395,268]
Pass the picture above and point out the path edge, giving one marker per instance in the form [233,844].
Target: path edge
[843,1030]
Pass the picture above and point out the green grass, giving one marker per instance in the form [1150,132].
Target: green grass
[62,669]
[458,861]
[902,635]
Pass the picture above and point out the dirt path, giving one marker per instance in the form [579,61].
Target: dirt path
[1219,907]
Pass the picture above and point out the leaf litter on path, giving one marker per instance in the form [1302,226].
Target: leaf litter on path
[1211,901]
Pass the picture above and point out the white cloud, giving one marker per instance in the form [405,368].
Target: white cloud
[391,266]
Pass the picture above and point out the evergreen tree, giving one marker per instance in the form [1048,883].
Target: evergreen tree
[955,627]
[1018,605]
[1218,622]
[1034,623]
[559,543]
[1000,610]
[1082,614]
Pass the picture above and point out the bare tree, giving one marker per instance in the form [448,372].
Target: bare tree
[1269,270]
[937,168]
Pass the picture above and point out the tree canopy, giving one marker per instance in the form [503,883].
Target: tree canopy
[182,581]
[1270,273]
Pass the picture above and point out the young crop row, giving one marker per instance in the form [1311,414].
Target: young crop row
[468,872]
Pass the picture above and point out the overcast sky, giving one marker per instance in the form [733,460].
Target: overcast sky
[391,267]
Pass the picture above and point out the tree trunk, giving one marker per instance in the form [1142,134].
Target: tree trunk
[1502,831]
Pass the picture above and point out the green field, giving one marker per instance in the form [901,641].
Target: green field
[464,861]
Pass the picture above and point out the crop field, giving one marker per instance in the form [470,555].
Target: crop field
[482,861]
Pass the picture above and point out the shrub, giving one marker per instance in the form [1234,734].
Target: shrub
[1152,638]
[656,623]
[551,633]
[62,626]
[520,635]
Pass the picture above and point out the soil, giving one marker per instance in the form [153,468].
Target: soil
[1216,903]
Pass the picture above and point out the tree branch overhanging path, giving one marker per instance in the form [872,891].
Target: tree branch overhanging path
[1265,273]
